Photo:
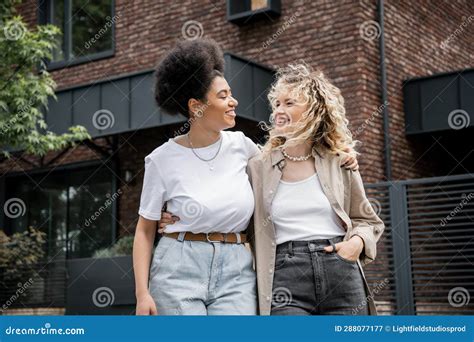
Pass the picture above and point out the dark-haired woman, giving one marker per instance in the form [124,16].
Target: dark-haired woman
[201,265]
[201,175]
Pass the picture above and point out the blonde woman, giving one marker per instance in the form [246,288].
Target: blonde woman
[313,228]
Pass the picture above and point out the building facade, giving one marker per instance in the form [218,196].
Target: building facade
[405,72]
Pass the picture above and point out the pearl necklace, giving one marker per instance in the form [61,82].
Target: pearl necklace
[296,159]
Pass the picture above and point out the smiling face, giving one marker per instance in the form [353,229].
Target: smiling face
[287,110]
[219,111]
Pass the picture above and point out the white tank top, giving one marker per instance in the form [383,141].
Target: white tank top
[301,212]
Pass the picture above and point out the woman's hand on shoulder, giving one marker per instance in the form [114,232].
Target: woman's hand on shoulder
[350,161]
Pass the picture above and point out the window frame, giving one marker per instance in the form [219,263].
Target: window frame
[44,17]
[68,168]
[273,10]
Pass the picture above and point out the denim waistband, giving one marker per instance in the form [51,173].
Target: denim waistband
[307,246]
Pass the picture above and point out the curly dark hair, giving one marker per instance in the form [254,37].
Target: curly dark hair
[187,72]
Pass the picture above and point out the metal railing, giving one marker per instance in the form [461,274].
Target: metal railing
[426,254]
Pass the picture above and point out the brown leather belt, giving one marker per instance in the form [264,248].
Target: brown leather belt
[211,237]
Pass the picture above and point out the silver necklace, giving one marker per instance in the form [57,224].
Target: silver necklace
[296,159]
[208,161]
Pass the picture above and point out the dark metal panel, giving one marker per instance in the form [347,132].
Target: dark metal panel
[401,250]
[86,102]
[127,102]
[239,6]
[143,111]
[441,102]
[240,77]
[439,98]
[412,107]
[59,117]
[103,286]
[116,99]
[466,89]
[262,83]
[240,11]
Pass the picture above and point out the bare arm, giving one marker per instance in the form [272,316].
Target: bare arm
[142,251]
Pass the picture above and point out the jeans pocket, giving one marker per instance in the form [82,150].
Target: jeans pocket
[160,253]
[247,258]
[281,260]
[337,255]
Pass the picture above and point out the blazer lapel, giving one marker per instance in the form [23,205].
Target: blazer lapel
[322,170]
[270,184]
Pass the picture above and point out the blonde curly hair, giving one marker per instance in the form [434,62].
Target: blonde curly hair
[324,121]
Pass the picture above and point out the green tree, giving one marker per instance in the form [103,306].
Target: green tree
[25,86]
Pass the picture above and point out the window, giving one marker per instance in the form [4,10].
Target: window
[74,208]
[241,12]
[87,29]
[258,4]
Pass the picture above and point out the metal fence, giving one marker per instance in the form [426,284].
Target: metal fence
[425,262]
[41,285]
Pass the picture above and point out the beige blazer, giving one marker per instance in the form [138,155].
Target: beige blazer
[345,191]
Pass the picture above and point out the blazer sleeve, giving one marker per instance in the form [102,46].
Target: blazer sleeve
[365,222]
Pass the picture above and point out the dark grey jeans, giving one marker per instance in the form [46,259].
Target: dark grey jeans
[310,281]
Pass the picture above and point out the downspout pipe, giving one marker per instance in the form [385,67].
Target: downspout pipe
[383,78]
[405,302]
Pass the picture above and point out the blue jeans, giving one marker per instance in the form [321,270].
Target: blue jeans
[202,278]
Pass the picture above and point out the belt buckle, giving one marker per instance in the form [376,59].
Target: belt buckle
[209,240]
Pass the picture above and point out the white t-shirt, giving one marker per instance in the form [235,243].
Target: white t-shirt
[302,212]
[205,200]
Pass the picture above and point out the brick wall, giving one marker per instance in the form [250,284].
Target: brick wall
[324,34]
[413,38]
